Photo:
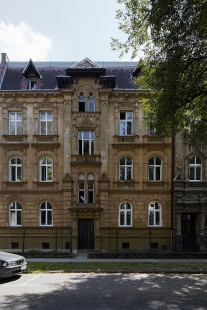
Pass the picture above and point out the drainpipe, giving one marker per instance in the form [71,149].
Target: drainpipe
[172,188]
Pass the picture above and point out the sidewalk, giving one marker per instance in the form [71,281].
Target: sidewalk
[82,257]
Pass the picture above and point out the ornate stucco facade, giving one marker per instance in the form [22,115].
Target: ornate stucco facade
[78,166]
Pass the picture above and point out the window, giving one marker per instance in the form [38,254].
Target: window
[46,214]
[15,216]
[15,166]
[86,142]
[88,196]
[155,211]
[82,107]
[195,168]
[46,123]
[126,123]
[91,103]
[125,214]
[155,165]
[125,169]
[32,84]
[46,173]
[152,130]
[15,123]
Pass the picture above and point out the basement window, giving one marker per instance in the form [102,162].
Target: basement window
[45,245]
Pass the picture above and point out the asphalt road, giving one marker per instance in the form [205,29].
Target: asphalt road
[103,291]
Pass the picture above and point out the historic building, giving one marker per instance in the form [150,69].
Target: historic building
[190,196]
[78,165]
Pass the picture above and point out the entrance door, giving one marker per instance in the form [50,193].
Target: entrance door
[85,234]
[188,228]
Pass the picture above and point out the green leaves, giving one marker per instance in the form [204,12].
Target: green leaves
[173,34]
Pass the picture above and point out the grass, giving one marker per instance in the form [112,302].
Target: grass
[41,267]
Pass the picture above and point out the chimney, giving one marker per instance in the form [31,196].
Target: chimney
[4,57]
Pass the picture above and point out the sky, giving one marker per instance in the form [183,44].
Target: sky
[63,30]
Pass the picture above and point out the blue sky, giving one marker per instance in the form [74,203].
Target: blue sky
[64,30]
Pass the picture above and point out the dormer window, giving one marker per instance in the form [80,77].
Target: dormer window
[32,84]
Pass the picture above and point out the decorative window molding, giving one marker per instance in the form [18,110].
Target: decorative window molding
[15,214]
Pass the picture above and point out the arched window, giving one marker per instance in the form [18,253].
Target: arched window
[155,169]
[46,214]
[15,167]
[91,103]
[15,214]
[195,168]
[125,169]
[86,188]
[81,102]
[155,214]
[46,169]
[125,214]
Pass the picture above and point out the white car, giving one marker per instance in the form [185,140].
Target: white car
[11,264]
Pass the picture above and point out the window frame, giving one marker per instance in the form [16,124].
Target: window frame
[154,212]
[15,166]
[82,143]
[155,168]
[194,166]
[124,212]
[47,121]
[47,166]
[46,210]
[30,81]
[16,122]
[125,122]
[125,167]
[16,210]
[85,190]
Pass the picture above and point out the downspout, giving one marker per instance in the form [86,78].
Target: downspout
[172,188]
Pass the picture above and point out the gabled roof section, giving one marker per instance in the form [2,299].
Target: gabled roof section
[30,71]
[86,63]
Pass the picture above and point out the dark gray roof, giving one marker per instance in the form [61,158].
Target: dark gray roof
[15,80]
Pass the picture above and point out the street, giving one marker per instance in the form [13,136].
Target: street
[103,291]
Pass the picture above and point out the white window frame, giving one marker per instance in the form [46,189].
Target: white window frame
[125,211]
[154,167]
[125,168]
[194,166]
[47,210]
[16,122]
[46,166]
[14,213]
[47,121]
[15,167]
[123,123]
[82,140]
[154,212]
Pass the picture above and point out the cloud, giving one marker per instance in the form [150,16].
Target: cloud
[21,42]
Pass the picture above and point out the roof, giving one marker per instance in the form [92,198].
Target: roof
[17,73]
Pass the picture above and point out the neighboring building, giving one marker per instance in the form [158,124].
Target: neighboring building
[190,196]
[77,157]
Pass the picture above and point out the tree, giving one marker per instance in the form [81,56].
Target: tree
[173,35]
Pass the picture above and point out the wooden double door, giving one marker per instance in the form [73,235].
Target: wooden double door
[85,234]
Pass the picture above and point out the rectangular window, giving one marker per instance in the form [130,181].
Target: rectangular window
[46,123]
[86,142]
[90,193]
[15,123]
[81,193]
[32,84]
[126,123]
